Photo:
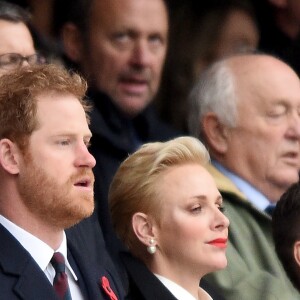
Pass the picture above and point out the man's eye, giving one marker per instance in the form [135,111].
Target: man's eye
[121,38]
[156,40]
[64,142]
[87,144]
[277,112]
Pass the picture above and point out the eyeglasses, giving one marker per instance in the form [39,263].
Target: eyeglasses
[11,61]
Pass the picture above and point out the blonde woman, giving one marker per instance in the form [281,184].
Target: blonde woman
[166,209]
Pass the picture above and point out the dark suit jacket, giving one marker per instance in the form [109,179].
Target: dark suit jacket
[21,277]
[87,238]
[143,285]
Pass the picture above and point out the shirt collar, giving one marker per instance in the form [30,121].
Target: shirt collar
[179,292]
[39,250]
[252,194]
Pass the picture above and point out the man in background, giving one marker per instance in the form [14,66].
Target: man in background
[120,47]
[246,109]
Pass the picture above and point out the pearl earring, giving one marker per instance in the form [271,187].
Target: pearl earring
[152,248]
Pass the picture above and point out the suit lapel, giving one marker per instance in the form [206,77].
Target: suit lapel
[80,277]
[35,286]
[89,274]
[30,281]
[143,282]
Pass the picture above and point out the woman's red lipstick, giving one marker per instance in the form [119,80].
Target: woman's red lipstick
[220,243]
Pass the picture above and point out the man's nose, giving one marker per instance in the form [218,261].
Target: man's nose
[84,158]
[142,54]
[294,126]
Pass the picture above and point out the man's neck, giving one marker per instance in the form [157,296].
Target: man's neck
[50,235]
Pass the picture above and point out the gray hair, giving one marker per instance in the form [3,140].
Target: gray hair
[214,91]
[13,13]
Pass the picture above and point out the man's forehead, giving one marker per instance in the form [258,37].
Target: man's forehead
[59,104]
[127,12]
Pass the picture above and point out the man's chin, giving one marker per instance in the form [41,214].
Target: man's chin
[78,214]
[133,105]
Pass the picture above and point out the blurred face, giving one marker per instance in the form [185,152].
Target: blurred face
[192,231]
[56,179]
[294,7]
[264,147]
[290,7]
[125,50]
[238,33]
[15,38]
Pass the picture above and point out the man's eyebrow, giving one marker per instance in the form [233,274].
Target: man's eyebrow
[69,134]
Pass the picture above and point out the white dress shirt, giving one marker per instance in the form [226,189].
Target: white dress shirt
[42,254]
[252,194]
[179,292]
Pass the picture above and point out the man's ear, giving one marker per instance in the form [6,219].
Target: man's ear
[216,134]
[279,3]
[297,252]
[9,156]
[72,42]
[142,227]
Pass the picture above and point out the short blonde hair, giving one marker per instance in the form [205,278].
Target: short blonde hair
[133,188]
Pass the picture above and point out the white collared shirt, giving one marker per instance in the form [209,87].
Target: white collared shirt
[254,196]
[42,254]
[179,292]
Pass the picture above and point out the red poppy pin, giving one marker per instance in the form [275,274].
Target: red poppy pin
[107,289]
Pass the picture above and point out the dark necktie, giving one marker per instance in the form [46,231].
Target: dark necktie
[270,209]
[60,282]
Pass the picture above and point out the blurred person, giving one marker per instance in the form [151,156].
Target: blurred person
[41,25]
[279,26]
[209,31]
[120,47]
[16,47]
[44,133]
[286,232]
[246,109]
[167,210]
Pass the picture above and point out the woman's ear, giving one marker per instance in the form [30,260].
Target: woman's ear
[9,156]
[297,252]
[72,40]
[216,134]
[142,227]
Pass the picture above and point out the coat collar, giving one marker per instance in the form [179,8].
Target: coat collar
[224,184]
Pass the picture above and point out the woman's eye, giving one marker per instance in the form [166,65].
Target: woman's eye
[196,209]
[221,208]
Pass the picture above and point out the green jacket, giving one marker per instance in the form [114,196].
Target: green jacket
[253,272]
